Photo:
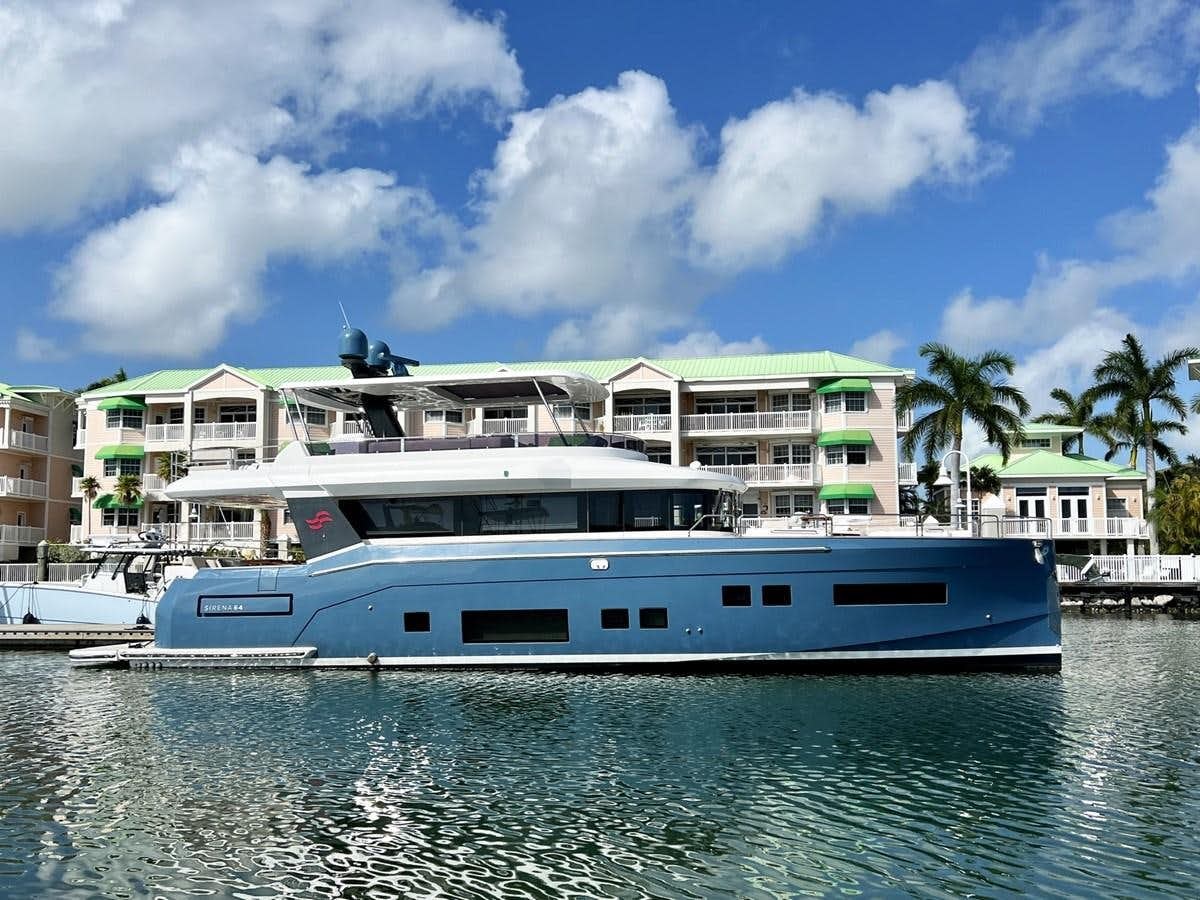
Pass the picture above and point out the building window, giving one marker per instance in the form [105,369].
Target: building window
[644,406]
[793,504]
[238,412]
[175,415]
[848,507]
[500,412]
[124,418]
[856,401]
[832,403]
[567,411]
[717,405]
[856,455]
[1036,443]
[245,457]
[1116,508]
[114,467]
[835,455]
[121,517]
[652,617]
[791,454]
[658,456]
[791,402]
[750,510]
[452,416]
[199,415]
[614,618]
[746,455]
[314,415]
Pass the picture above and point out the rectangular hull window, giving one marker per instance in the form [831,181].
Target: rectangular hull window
[735,595]
[416,621]
[514,626]
[614,618]
[889,594]
[652,617]
[777,595]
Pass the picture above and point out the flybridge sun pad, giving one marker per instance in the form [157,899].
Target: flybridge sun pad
[441,392]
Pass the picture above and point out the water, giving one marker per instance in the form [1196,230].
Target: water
[489,784]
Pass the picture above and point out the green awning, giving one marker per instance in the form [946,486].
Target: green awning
[847,492]
[855,436]
[845,384]
[120,403]
[108,501]
[121,451]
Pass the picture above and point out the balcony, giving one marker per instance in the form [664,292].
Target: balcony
[907,473]
[76,534]
[742,423]
[24,440]
[223,531]
[153,484]
[626,424]
[769,474]
[223,432]
[1075,528]
[166,434]
[22,487]
[348,428]
[21,534]
[904,422]
[505,426]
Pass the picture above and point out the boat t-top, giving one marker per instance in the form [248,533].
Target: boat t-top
[566,549]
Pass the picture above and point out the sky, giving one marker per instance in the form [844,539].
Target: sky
[185,184]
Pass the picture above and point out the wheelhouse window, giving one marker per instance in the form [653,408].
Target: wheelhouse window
[238,412]
[716,405]
[848,507]
[741,455]
[124,418]
[452,416]
[114,467]
[543,513]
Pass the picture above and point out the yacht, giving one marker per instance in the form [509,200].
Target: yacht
[568,549]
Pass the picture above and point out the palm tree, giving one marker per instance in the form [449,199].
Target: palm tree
[1136,383]
[115,378]
[127,489]
[960,388]
[1177,514]
[1121,431]
[1073,412]
[171,466]
[89,486]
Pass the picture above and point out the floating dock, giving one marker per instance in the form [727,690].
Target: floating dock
[66,637]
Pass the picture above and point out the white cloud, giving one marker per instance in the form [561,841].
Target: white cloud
[97,94]
[597,204]
[1086,47]
[198,256]
[1156,242]
[792,164]
[879,347]
[709,343]
[33,347]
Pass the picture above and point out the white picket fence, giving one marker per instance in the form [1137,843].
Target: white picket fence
[1135,569]
[21,573]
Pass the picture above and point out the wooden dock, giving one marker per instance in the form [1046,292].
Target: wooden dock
[67,637]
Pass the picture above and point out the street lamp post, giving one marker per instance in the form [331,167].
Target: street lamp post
[954,497]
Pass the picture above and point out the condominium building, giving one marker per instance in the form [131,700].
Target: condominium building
[37,461]
[1086,505]
[808,432]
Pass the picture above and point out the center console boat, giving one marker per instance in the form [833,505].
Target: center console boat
[568,549]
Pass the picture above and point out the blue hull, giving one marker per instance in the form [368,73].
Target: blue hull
[851,602]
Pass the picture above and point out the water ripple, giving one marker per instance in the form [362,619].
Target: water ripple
[486,785]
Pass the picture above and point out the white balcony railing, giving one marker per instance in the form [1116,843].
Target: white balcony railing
[1025,527]
[77,486]
[1069,528]
[904,422]
[22,487]
[223,531]
[24,440]
[153,483]
[225,431]
[646,422]
[791,420]
[348,428]
[505,426]
[166,434]
[907,472]
[21,534]
[770,473]
[76,534]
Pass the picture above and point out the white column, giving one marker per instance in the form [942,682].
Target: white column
[260,413]
[676,426]
[188,415]
[7,426]
[609,407]
[1129,547]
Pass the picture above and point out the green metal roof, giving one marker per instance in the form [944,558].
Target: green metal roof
[817,363]
[120,451]
[1045,463]
[845,384]
[847,491]
[855,436]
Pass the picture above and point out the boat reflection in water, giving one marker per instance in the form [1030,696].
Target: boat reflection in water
[568,549]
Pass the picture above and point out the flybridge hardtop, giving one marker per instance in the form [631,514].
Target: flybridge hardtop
[566,548]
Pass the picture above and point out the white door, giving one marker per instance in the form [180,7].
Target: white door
[1073,514]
